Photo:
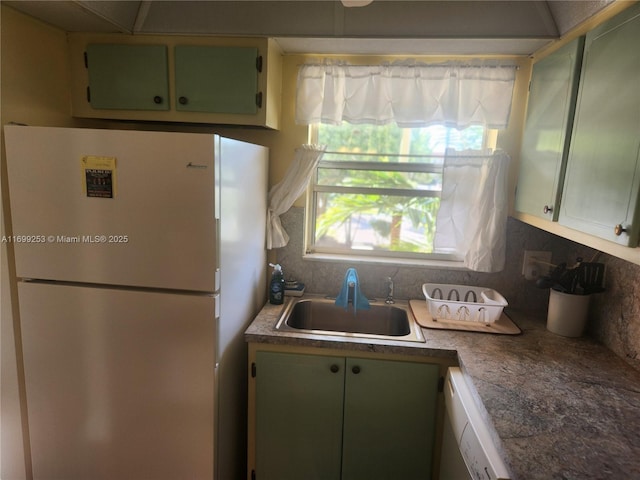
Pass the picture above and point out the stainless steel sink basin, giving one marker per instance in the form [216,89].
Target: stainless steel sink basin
[322,316]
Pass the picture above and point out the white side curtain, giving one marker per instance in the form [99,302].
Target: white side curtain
[282,195]
[472,218]
[414,95]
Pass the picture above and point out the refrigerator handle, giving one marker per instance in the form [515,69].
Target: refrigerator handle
[216,327]
[217,186]
[217,254]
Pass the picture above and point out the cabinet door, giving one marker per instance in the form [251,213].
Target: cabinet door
[603,171]
[128,77]
[299,401]
[389,419]
[216,79]
[545,144]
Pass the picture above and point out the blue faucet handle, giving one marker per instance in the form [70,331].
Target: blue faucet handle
[359,300]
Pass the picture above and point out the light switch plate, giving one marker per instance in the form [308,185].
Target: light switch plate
[535,264]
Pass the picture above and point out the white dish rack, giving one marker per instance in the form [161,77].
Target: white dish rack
[463,303]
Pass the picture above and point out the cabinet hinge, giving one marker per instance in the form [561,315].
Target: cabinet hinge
[441,384]
[253,370]
[253,475]
[86,60]
[89,94]
[259,63]
[259,99]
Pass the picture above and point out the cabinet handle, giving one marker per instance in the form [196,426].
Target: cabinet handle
[183,100]
[547,209]
[334,368]
[619,230]
[157,99]
[355,369]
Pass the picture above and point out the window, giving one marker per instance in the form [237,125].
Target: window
[376,191]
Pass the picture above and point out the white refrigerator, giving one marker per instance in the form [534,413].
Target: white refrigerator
[140,260]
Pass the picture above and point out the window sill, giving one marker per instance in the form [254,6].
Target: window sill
[405,262]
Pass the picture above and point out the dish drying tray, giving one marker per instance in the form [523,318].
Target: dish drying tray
[463,303]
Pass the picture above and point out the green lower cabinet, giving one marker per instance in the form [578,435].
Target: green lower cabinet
[298,416]
[389,419]
[335,418]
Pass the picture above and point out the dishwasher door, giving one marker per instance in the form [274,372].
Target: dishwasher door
[468,451]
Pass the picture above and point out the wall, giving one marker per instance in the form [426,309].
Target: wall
[614,315]
[34,90]
[326,277]
[509,139]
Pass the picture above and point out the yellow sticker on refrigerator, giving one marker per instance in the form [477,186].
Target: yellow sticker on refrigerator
[98,176]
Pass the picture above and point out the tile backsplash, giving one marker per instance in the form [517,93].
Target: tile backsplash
[614,316]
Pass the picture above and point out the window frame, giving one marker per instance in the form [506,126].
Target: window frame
[313,251]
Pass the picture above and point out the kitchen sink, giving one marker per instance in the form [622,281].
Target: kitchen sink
[322,316]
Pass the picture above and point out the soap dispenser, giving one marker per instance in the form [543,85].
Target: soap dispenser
[276,287]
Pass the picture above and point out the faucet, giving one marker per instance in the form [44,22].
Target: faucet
[350,292]
[389,299]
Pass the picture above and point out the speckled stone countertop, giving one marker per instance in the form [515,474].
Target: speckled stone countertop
[558,408]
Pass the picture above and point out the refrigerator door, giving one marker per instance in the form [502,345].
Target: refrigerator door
[144,216]
[119,383]
[243,187]
[243,202]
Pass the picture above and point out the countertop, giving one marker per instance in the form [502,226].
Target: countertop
[558,408]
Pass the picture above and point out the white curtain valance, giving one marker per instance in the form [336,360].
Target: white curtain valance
[472,218]
[453,94]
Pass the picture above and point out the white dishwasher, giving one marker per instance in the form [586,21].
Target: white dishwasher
[468,451]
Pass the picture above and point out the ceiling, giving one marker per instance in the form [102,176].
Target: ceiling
[517,27]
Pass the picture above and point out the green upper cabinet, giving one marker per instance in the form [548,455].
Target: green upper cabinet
[217,79]
[603,169]
[132,77]
[545,144]
[176,78]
